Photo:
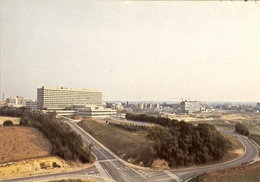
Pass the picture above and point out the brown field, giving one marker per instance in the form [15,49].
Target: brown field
[19,143]
[16,121]
[24,151]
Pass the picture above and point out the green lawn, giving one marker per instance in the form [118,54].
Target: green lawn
[131,146]
[242,173]
[255,131]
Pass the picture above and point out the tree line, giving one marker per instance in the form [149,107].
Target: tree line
[129,127]
[66,143]
[151,119]
[182,143]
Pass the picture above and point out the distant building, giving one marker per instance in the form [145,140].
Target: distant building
[17,101]
[258,105]
[151,111]
[117,106]
[31,104]
[168,110]
[2,103]
[96,112]
[62,97]
[190,106]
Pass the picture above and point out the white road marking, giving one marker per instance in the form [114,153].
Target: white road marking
[173,176]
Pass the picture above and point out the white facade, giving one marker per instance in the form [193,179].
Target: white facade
[190,106]
[96,112]
[62,97]
[17,101]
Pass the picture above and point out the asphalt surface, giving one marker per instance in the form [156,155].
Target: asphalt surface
[251,151]
[110,168]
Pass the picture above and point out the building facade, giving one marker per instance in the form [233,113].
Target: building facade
[17,101]
[31,104]
[62,97]
[96,112]
[190,106]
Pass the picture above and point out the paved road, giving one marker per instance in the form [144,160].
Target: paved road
[110,168]
[251,151]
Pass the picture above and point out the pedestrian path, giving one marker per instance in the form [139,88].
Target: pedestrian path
[173,176]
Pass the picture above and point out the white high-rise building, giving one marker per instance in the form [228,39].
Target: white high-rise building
[62,97]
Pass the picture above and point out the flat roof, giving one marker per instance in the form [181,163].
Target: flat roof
[67,88]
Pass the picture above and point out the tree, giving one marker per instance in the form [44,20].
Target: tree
[242,129]
[8,123]
[90,146]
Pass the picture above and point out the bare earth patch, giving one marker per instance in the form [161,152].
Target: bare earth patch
[25,151]
[239,151]
[19,143]
[37,166]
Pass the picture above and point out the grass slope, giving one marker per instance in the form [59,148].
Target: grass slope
[255,131]
[244,173]
[131,146]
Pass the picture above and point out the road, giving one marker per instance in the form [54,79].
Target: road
[251,151]
[110,168]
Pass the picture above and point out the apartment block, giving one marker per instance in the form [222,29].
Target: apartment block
[190,106]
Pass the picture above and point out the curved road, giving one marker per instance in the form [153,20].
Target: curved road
[110,168]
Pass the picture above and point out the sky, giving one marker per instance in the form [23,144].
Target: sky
[132,50]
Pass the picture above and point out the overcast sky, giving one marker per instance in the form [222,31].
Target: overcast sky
[135,51]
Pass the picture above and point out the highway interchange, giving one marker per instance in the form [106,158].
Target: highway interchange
[109,167]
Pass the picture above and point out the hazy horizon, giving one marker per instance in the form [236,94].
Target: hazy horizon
[131,50]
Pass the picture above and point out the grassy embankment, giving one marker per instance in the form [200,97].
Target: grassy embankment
[133,145]
[244,173]
[255,131]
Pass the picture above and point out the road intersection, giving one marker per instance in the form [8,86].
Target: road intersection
[109,167]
